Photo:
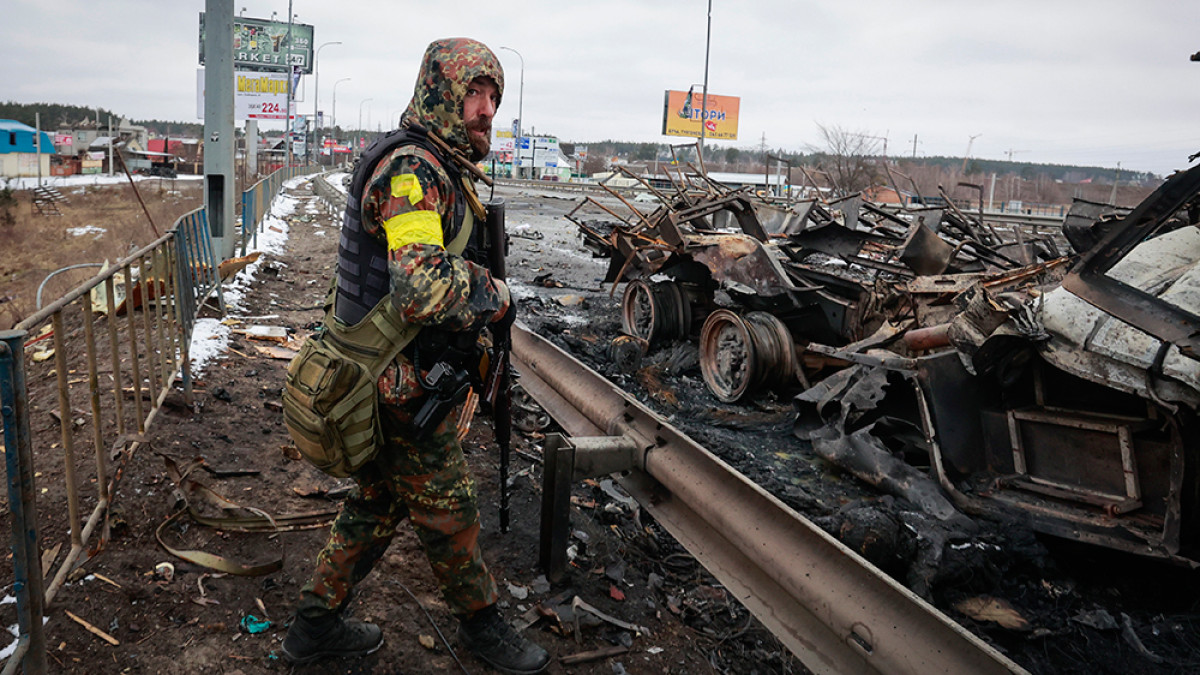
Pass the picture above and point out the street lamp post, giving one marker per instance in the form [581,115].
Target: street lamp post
[335,84]
[317,100]
[704,98]
[360,126]
[520,108]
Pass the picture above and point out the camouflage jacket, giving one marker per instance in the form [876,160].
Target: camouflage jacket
[409,204]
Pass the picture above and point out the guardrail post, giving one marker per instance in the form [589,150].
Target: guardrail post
[569,460]
[28,584]
[559,456]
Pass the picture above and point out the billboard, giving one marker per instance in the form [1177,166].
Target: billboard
[538,151]
[503,142]
[256,95]
[261,44]
[682,111]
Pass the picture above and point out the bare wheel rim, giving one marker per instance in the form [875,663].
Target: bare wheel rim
[727,356]
[638,310]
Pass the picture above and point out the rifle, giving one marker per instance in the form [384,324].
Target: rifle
[496,386]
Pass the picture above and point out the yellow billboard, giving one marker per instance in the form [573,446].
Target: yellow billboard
[683,110]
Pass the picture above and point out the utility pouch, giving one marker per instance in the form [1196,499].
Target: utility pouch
[329,406]
[330,396]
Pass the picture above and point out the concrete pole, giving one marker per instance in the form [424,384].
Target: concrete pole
[219,136]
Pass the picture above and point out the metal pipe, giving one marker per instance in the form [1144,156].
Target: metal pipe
[144,285]
[89,332]
[66,427]
[18,461]
[930,337]
[115,354]
[55,273]
[830,607]
[45,313]
[134,362]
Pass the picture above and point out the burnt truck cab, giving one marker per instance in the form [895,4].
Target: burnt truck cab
[1070,400]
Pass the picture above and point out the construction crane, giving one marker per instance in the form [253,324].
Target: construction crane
[967,156]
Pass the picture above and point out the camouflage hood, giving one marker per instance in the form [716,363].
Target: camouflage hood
[448,67]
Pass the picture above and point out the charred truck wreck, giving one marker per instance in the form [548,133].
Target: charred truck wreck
[965,365]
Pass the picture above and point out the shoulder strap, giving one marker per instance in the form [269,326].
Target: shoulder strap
[382,334]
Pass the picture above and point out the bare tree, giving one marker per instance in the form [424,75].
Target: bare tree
[851,158]
[596,162]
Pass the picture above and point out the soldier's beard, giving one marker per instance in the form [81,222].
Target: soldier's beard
[481,142]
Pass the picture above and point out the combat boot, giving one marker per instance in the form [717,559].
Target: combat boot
[488,636]
[309,639]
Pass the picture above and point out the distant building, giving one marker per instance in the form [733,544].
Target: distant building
[77,138]
[19,150]
[884,194]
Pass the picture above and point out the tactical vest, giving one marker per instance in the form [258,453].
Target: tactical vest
[362,275]
[330,402]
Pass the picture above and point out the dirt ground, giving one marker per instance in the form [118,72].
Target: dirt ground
[1086,610]
[624,565]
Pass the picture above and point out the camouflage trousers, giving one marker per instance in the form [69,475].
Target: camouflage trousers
[426,481]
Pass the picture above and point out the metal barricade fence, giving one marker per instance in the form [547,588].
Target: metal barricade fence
[101,366]
[111,375]
[257,200]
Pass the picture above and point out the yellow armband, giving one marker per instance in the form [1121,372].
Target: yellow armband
[414,227]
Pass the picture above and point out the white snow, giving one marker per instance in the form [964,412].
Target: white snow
[86,229]
[210,337]
[81,180]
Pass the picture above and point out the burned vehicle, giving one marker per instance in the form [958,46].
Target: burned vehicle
[755,277]
[941,357]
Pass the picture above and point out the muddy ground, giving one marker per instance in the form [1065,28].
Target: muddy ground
[1086,610]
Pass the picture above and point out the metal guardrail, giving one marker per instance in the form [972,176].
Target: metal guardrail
[333,198]
[835,611]
[112,373]
[257,200]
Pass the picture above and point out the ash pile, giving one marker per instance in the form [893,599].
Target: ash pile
[968,365]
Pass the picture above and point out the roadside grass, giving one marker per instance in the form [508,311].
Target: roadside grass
[99,223]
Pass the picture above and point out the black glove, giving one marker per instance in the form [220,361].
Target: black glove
[505,322]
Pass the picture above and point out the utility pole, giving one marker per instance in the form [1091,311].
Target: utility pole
[37,143]
[1112,199]
[289,124]
[914,146]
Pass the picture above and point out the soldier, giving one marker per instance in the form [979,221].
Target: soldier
[410,207]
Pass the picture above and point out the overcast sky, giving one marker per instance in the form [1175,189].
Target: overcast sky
[1066,81]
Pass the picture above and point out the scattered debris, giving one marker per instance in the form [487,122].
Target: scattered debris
[592,655]
[93,630]
[272,333]
[996,610]
[518,592]
[164,571]
[232,266]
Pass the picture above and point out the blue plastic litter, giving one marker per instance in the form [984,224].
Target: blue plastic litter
[253,625]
